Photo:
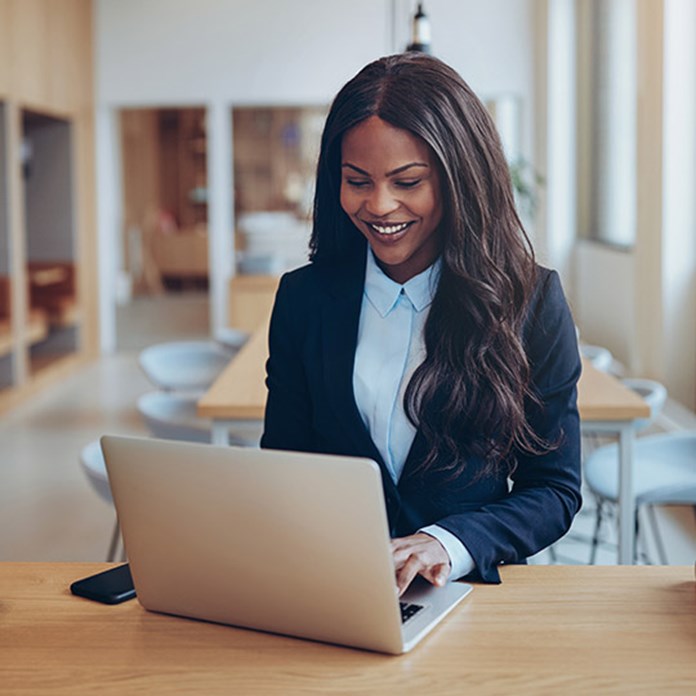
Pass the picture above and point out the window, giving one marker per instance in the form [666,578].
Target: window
[607,120]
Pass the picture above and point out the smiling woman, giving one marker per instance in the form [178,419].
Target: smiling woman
[423,335]
[390,189]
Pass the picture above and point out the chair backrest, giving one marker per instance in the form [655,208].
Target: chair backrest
[173,417]
[231,340]
[183,365]
[601,358]
[92,461]
[653,393]
[673,456]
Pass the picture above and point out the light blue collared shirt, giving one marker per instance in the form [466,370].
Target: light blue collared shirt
[390,347]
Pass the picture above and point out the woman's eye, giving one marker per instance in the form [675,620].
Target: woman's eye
[408,184]
[355,183]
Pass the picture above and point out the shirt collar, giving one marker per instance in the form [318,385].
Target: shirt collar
[383,292]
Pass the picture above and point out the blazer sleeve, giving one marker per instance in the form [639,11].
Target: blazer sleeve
[288,416]
[545,493]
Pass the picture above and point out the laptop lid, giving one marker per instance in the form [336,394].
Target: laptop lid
[285,542]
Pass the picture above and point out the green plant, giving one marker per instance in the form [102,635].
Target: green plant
[526,183]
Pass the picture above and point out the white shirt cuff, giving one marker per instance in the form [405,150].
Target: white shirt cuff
[462,562]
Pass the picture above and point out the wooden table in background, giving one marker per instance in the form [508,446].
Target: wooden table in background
[605,406]
[239,393]
[546,629]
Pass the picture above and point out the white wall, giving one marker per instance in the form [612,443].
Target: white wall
[491,44]
[603,301]
[219,53]
[181,51]
[185,51]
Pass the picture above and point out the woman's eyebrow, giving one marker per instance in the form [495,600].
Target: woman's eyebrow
[348,165]
[398,170]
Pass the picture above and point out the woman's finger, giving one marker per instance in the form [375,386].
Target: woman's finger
[437,574]
[407,572]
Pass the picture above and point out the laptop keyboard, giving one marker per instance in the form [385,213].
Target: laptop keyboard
[409,610]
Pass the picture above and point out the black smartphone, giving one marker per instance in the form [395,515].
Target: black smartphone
[109,587]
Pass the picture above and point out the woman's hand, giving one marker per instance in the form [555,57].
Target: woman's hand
[420,554]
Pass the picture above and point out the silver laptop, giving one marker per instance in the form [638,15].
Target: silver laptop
[285,542]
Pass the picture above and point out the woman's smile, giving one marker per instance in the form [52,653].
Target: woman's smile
[389,229]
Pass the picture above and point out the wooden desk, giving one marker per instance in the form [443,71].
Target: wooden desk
[546,629]
[239,393]
[602,397]
[605,405]
[251,300]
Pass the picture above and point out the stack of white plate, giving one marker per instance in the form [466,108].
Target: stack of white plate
[274,241]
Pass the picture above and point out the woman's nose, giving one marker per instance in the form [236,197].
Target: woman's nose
[381,202]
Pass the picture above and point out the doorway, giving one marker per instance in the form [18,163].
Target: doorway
[162,287]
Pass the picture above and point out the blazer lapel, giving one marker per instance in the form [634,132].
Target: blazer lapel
[416,454]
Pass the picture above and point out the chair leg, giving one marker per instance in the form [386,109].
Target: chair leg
[599,516]
[661,551]
[643,556]
[113,545]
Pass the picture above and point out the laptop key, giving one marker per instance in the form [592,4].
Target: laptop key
[408,611]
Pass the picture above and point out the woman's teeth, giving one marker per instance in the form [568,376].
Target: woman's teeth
[389,229]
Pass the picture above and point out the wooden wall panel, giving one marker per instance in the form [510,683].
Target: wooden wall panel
[86,232]
[46,65]
[139,156]
[4,49]
[28,22]
[66,39]
[48,53]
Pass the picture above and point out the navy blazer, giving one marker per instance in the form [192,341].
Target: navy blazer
[311,408]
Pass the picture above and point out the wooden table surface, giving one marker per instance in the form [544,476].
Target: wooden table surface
[240,391]
[602,397]
[545,630]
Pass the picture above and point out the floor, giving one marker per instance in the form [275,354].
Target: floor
[157,318]
[49,512]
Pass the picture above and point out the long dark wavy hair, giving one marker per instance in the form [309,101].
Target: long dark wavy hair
[469,395]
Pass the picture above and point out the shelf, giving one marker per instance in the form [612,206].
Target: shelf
[52,290]
[47,198]
[37,330]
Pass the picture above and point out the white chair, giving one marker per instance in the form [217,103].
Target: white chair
[231,340]
[664,473]
[173,417]
[92,461]
[601,358]
[653,393]
[184,365]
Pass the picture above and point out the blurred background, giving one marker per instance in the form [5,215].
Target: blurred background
[156,178]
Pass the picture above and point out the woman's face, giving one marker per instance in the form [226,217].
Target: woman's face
[390,189]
